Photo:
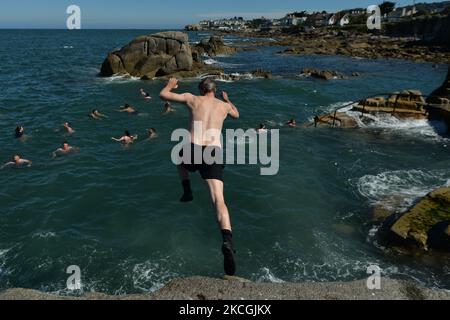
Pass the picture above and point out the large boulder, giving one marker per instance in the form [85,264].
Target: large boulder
[426,224]
[155,55]
[442,94]
[213,46]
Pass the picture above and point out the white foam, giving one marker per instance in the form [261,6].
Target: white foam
[397,190]
[120,78]
[150,276]
[210,61]
[410,127]
[268,276]
[3,253]
[44,235]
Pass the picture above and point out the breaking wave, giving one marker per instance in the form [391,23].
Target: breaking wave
[410,127]
[399,189]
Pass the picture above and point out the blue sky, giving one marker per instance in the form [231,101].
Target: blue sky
[156,13]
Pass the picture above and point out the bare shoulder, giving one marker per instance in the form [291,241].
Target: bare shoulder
[222,103]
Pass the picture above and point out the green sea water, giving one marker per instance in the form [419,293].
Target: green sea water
[114,211]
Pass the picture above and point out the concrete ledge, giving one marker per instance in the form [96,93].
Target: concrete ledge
[202,288]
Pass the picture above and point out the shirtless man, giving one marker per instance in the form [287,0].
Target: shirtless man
[292,123]
[261,129]
[65,149]
[128,109]
[96,115]
[152,133]
[126,138]
[211,112]
[19,132]
[144,94]
[168,108]
[17,161]
[68,128]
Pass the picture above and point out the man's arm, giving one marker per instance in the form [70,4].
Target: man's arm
[27,162]
[233,111]
[168,95]
[7,164]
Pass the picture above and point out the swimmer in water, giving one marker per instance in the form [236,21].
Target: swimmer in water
[65,149]
[152,133]
[19,132]
[144,94]
[129,109]
[168,108]
[68,128]
[262,128]
[17,161]
[126,138]
[292,123]
[96,115]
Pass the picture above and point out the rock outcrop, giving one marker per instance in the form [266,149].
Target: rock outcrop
[442,94]
[321,74]
[425,225]
[212,47]
[192,27]
[151,56]
[348,43]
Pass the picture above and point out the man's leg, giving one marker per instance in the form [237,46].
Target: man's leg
[186,183]
[223,218]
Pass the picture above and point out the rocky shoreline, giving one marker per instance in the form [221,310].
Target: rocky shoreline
[353,44]
[203,288]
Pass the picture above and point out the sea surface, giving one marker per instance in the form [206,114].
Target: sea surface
[114,211]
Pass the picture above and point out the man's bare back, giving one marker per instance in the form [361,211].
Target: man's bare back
[207,113]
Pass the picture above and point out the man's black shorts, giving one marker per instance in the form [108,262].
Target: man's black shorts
[207,171]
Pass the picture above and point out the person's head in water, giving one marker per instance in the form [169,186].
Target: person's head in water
[65,145]
[207,85]
[16,158]
[19,131]
[262,126]
[127,133]
[151,132]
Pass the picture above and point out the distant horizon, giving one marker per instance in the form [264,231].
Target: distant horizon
[135,15]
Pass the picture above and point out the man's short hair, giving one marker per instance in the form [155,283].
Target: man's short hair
[207,85]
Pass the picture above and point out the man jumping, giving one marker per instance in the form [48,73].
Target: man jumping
[211,113]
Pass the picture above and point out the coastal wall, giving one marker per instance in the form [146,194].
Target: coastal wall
[433,29]
[202,288]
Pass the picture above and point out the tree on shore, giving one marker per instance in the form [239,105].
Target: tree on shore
[387,7]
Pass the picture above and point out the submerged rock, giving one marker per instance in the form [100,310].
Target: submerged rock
[260,73]
[151,56]
[322,74]
[338,120]
[426,224]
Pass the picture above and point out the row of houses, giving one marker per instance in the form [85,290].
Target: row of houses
[320,19]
